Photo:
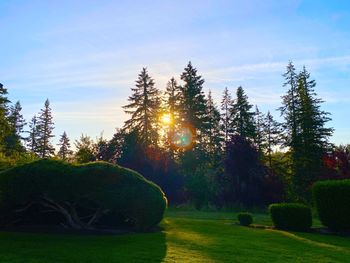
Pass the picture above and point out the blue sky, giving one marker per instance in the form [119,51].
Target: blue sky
[85,55]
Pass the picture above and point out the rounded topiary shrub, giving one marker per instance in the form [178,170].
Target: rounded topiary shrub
[291,216]
[80,196]
[245,219]
[332,201]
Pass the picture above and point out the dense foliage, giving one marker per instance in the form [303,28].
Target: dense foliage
[79,196]
[332,199]
[291,216]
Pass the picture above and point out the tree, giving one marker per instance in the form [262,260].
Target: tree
[32,139]
[289,108]
[193,103]
[4,124]
[85,149]
[64,151]
[313,137]
[242,118]
[244,173]
[306,134]
[259,129]
[16,123]
[225,116]
[271,135]
[212,132]
[44,130]
[144,109]
[173,111]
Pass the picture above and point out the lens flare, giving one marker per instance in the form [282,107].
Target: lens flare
[166,119]
[183,138]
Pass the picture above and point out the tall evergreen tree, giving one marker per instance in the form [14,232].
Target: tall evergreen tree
[172,108]
[13,141]
[213,132]
[290,105]
[271,135]
[32,139]
[242,118]
[193,103]
[45,127]
[307,137]
[64,151]
[144,109]
[259,129]
[4,124]
[226,103]
[313,137]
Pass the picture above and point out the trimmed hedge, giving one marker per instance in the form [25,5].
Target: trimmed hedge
[245,219]
[332,201]
[100,188]
[291,216]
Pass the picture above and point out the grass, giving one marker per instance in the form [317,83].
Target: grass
[187,237]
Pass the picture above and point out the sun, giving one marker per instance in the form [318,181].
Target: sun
[166,119]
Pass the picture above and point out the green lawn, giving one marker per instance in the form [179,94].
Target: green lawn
[187,237]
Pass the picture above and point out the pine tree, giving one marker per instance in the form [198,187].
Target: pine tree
[271,135]
[259,129]
[172,108]
[85,149]
[44,130]
[290,105]
[4,124]
[144,109]
[193,103]
[213,132]
[307,137]
[16,121]
[312,137]
[32,139]
[225,116]
[242,118]
[64,151]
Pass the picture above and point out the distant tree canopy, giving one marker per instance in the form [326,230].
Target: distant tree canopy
[196,150]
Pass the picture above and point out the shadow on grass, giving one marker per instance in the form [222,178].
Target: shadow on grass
[28,247]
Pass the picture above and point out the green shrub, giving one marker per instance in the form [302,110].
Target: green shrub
[83,195]
[332,201]
[291,216]
[245,219]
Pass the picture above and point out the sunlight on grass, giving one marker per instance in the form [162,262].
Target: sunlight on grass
[309,241]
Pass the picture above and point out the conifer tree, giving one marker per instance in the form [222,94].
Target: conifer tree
[32,139]
[312,135]
[242,118]
[45,127]
[259,129]
[172,108]
[225,116]
[4,124]
[193,103]
[271,135]
[290,105]
[213,133]
[85,149]
[64,151]
[16,123]
[144,108]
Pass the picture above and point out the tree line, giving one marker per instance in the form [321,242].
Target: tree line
[196,150]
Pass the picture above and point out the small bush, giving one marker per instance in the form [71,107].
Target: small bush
[245,219]
[332,200]
[291,216]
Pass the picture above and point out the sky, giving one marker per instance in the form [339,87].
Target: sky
[84,56]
